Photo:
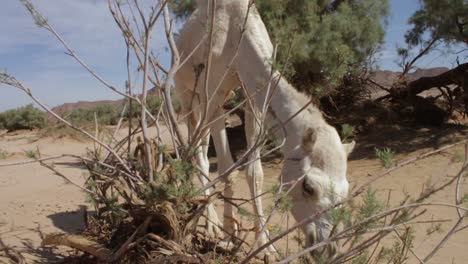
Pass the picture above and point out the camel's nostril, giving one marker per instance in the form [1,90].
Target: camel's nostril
[307,187]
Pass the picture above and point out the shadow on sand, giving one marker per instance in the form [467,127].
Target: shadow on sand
[401,139]
[404,140]
[69,222]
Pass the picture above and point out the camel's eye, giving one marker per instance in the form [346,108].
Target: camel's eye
[308,189]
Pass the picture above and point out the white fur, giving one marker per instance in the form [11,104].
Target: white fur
[322,160]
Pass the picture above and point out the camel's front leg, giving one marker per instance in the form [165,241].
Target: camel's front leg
[213,224]
[254,173]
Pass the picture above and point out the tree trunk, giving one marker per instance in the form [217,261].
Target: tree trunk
[458,76]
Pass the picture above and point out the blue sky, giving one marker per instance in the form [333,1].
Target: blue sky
[35,57]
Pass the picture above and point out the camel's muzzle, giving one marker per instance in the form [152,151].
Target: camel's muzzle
[317,232]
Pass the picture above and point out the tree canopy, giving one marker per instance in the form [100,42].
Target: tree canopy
[445,20]
[323,40]
[435,22]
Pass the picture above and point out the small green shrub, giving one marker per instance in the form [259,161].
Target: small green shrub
[3,154]
[386,157]
[153,103]
[59,130]
[176,104]
[26,117]
[32,154]
[458,157]
[347,131]
[106,115]
[370,206]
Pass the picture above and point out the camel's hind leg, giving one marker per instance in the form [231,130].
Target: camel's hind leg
[254,172]
[225,161]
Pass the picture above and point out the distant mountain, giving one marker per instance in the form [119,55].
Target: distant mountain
[68,107]
[426,73]
[387,78]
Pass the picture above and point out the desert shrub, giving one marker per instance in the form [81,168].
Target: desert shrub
[153,103]
[3,154]
[176,104]
[32,154]
[26,117]
[386,157]
[59,130]
[347,131]
[106,115]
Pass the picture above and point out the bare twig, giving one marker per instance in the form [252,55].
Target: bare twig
[461,214]
[15,83]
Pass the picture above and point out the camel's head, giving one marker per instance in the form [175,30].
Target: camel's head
[321,160]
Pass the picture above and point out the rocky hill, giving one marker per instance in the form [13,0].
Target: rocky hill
[387,78]
[68,107]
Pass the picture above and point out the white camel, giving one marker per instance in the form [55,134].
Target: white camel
[312,148]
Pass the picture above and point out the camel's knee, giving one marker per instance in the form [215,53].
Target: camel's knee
[231,178]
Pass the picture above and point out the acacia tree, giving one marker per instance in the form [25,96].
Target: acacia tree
[436,22]
[321,40]
[445,20]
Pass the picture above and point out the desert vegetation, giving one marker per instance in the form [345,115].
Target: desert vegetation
[146,204]
[26,117]
[29,117]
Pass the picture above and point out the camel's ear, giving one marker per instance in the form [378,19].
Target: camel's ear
[308,140]
[349,147]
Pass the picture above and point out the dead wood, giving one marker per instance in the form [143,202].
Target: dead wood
[168,218]
[175,259]
[168,244]
[80,243]
[12,254]
[456,76]
[165,220]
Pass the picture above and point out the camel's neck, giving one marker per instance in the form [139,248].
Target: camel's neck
[291,109]
[254,68]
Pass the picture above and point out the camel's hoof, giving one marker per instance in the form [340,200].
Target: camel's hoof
[226,244]
[269,253]
[213,231]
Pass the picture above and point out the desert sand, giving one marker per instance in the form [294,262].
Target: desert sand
[34,201]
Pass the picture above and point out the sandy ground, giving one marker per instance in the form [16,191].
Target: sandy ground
[34,201]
